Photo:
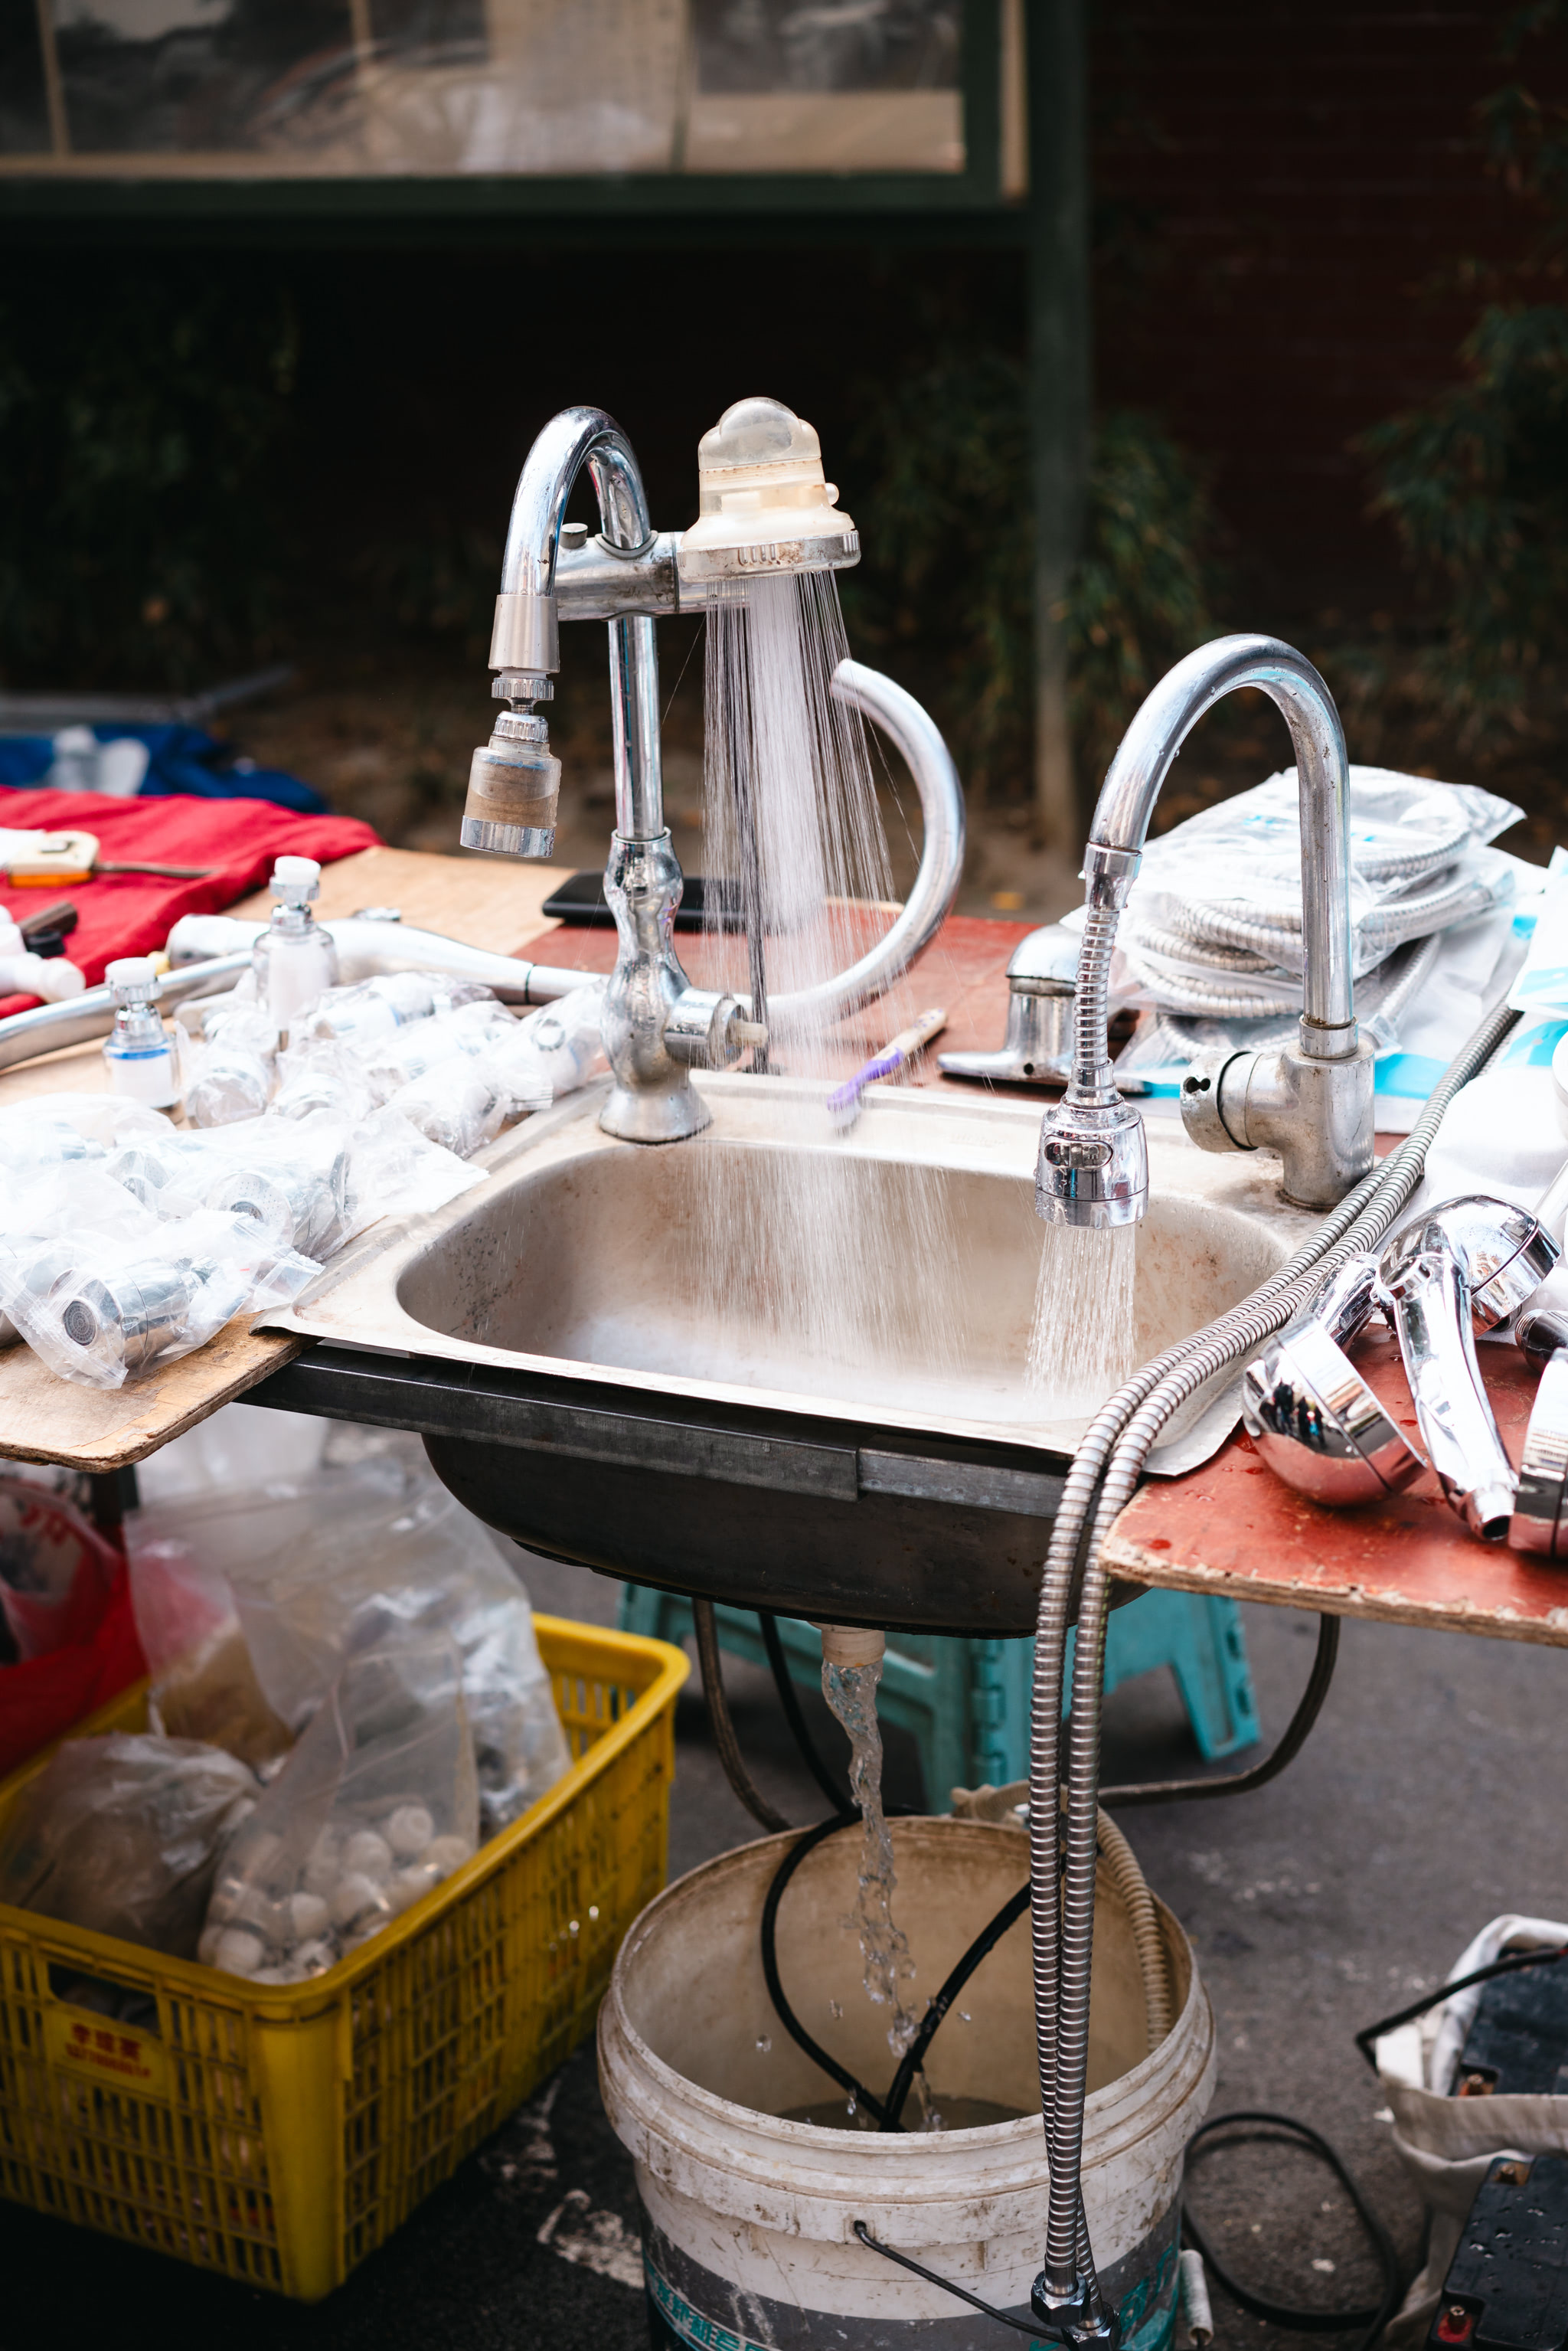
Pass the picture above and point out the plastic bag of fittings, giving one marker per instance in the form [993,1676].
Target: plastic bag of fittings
[467,1030]
[204,1684]
[370,1008]
[319,1075]
[374,1807]
[122,1835]
[126,1292]
[553,1051]
[1213,925]
[329,1564]
[459,1104]
[1445,2142]
[232,1068]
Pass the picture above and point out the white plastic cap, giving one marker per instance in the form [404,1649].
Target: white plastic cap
[135,978]
[295,880]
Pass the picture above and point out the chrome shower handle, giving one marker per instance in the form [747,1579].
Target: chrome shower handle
[1430,1295]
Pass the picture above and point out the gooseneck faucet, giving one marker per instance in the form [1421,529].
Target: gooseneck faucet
[765,510]
[1312,1101]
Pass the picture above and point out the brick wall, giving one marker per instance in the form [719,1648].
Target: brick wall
[1277,183]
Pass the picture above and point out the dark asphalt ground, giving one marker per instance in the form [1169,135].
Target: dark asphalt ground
[1429,1799]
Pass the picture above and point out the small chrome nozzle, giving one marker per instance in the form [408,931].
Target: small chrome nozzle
[514,784]
[1093,1164]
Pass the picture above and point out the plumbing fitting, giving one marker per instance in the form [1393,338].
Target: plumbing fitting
[1313,1418]
[852,1644]
[765,510]
[1311,1101]
[1462,1267]
[1037,1045]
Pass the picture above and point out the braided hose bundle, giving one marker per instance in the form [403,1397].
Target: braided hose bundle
[1104,1474]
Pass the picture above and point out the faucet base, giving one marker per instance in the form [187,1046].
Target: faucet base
[1318,1116]
[635,1114]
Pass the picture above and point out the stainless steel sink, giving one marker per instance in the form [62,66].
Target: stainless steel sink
[776,1364]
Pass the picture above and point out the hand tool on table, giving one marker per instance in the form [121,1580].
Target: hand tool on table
[844,1101]
[32,860]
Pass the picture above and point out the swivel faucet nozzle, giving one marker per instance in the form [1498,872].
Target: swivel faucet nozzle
[1311,1102]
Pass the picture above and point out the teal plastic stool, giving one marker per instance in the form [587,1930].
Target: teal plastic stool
[968,1702]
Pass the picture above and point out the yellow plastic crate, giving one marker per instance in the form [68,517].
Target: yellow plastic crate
[280,2134]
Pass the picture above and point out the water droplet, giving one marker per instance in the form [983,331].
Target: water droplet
[852,2109]
[764,2044]
[965,2017]
[835,2008]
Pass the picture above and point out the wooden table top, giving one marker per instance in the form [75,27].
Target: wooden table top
[491,903]
[1233,1527]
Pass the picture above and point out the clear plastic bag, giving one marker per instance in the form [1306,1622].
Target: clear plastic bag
[127,1291]
[550,1052]
[319,1075]
[204,1682]
[374,1807]
[122,1835]
[373,1009]
[458,1104]
[468,1029]
[1213,926]
[230,1075]
[335,1563]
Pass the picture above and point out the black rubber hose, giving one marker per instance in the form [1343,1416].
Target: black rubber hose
[724,1737]
[1239,1783]
[1280,2314]
[1548,1955]
[789,1699]
[985,1942]
[807,1842]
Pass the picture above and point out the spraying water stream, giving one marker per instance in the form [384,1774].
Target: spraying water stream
[1084,1341]
[811,1245]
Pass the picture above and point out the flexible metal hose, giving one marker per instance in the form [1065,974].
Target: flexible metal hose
[1103,1476]
[1132,1889]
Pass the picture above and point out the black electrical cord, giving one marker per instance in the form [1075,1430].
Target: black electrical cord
[985,1942]
[1019,2326]
[724,1737]
[1279,2313]
[1549,1955]
[1241,1784]
[789,1699]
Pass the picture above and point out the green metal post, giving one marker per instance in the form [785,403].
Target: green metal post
[1056,71]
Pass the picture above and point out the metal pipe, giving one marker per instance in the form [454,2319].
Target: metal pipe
[208,952]
[914,733]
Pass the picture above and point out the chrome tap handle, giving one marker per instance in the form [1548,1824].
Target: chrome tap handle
[1432,1309]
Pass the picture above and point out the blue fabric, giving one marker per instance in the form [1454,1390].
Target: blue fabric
[179,761]
[25,758]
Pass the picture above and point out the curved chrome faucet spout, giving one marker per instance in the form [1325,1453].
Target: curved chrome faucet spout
[657,1026]
[1311,1102]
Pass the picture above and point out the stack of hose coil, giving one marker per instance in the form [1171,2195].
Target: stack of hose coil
[1213,928]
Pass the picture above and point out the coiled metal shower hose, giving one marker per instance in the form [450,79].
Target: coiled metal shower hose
[1102,1479]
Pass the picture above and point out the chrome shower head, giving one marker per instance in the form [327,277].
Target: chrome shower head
[1313,1418]
[765,505]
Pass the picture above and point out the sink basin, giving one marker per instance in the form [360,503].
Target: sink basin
[778,1364]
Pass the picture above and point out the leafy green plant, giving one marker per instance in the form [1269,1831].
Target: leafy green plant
[1476,481]
[138,431]
[946,586]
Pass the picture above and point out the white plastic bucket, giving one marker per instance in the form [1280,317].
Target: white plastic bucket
[747,2220]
